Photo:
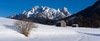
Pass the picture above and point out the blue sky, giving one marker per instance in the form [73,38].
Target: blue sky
[11,7]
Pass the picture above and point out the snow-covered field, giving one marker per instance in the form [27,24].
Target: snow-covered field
[47,33]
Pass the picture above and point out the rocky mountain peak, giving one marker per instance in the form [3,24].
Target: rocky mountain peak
[64,9]
[36,7]
[46,12]
[58,10]
[23,12]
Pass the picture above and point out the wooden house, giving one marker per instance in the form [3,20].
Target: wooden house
[61,23]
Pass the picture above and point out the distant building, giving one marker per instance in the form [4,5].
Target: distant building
[61,23]
[74,25]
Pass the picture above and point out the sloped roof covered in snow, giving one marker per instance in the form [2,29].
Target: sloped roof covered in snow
[60,21]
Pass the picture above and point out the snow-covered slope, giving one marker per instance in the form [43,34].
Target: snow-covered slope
[46,12]
[47,33]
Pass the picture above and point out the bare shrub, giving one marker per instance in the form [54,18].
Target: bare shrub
[24,26]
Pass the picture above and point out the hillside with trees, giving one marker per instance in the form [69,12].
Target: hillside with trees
[89,17]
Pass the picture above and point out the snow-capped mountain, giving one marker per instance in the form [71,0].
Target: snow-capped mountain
[46,12]
[42,14]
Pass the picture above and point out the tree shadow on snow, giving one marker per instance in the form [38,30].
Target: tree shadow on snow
[90,34]
[12,28]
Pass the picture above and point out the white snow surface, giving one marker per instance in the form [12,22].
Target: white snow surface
[47,33]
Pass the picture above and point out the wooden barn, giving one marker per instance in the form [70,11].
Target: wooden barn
[61,23]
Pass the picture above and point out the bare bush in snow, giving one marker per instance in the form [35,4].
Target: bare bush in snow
[25,27]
